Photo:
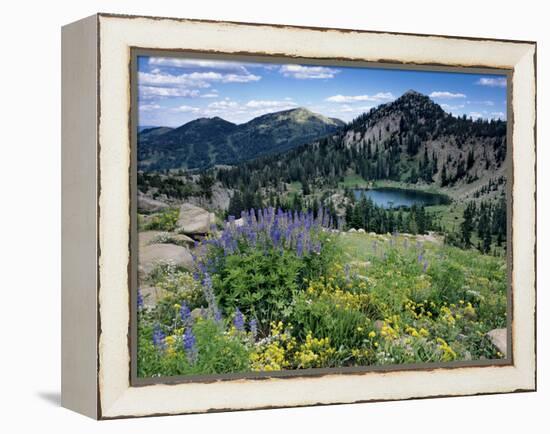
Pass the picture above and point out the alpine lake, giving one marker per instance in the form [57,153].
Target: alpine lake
[392,197]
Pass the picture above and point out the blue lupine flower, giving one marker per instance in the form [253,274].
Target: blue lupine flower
[318,247]
[425,267]
[158,338]
[185,314]
[189,344]
[299,246]
[139,299]
[275,236]
[217,315]
[238,320]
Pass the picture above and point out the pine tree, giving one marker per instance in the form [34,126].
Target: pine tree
[467,224]
[444,180]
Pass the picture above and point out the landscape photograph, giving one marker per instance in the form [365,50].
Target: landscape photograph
[294,217]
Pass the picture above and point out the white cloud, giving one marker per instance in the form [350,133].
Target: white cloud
[270,104]
[186,109]
[196,63]
[352,109]
[223,65]
[194,79]
[154,91]
[302,72]
[492,82]
[450,107]
[380,96]
[484,114]
[225,104]
[446,95]
[210,95]
[236,78]
[149,107]
[486,103]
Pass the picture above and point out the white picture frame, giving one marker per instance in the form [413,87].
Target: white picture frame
[96,212]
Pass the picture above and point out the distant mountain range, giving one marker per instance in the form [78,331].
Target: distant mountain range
[214,141]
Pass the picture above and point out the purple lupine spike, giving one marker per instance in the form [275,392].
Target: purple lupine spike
[420,257]
[318,247]
[308,246]
[158,338]
[299,246]
[185,314]
[139,299]
[425,266]
[238,320]
[189,345]
[218,315]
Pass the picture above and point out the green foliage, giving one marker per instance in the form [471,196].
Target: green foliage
[398,302]
[219,352]
[164,221]
[261,285]
[215,351]
[319,315]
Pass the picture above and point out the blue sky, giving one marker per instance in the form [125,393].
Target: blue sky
[176,90]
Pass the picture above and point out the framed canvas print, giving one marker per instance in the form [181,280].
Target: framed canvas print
[261,216]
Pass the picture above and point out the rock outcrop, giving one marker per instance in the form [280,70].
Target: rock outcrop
[147,204]
[194,220]
[152,254]
[499,339]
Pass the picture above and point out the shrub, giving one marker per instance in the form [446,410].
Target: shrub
[202,347]
[163,221]
[323,316]
[260,265]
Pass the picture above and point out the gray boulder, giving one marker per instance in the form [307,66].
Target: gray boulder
[147,204]
[499,339]
[151,295]
[182,239]
[148,237]
[194,220]
[153,254]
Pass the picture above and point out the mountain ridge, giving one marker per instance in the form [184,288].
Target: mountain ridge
[204,142]
[410,140]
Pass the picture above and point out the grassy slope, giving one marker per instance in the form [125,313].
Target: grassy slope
[452,274]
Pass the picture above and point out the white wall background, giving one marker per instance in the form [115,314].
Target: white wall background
[30,216]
